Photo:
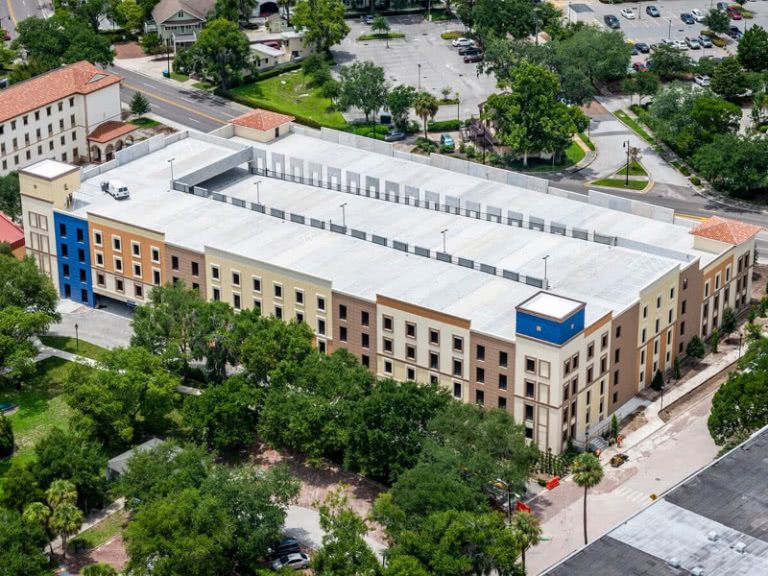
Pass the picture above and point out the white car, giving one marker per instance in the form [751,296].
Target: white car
[462,42]
[698,15]
[680,44]
[702,80]
[628,13]
[297,561]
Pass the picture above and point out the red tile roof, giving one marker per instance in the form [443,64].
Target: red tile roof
[110,130]
[262,119]
[725,230]
[10,232]
[78,78]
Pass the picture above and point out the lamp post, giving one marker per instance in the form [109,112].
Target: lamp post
[77,339]
[170,161]
[662,397]
[627,146]
[419,84]
[569,11]
[258,196]
[168,52]
[458,109]
[546,282]
[507,489]
[443,232]
[741,336]
[669,33]
[343,214]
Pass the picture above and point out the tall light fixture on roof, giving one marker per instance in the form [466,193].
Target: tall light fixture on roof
[171,163]
[343,214]
[258,201]
[546,282]
[443,232]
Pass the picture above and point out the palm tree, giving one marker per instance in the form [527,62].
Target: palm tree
[526,530]
[61,492]
[587,473]
[65,522]
[426,106]
[38,513]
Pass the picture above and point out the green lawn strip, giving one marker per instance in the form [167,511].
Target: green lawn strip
[619,183]
[448,102]
[101,532]
[634,170]
[624,117]
[202,85]
[290,93]
[451,35]
[144,122]
[440,16]
[367,130]
[41,408]
[70,345]
[179,77]
[387,36]
[573,155]
[587,141]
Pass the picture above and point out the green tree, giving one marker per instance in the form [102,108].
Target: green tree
[364,86]
[752,49]
[529,118]
[132,395]
[65,522]
[695,348]
[750,316]
[61,455]
[526,530]
[715,340]
[90,11]
[399,102]
[658,381]
[140,104]
[706,65]
[20,487]
[754,332]
[344,552]
[323,21]
[729,79]
[151,43]
[671,112]
[221,53]
[614,427]
[498,18]
[21,540]
[286,6]
[10,198]
[426,106]
[227,9]
[130,15]
[668,61]
[643,84]
[587,473]
[380,25]
[403,565]
[39,515]
[98,569]
[61,492]
[740,406]
[734,163]
[717,21]
[728,322]
[712,116]
[224,417]
[676,368]
[7,443]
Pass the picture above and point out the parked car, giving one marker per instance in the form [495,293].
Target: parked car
[284,548]
[369,19]
[735,33]
[468,50]
[631,70]
[394,137]
[628,13]
[618,459]
[296,561]
[652,11]
[611,21]
[634,51]
[705,41]
[680,44]
[734,12]
[642,47]
[693,43]
[473,58]
[447,141]
[4,34]
[687,18]
[459,42]
[698,15]
[702,80]
[722,6]
[640,67]
[667,41]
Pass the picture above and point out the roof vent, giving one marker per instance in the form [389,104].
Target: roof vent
[740,547]
[674,563]
[697,571]
[712,536]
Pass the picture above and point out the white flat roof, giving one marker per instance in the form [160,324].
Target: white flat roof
[547,304]
[48,169]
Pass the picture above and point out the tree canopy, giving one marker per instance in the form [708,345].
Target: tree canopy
[323,21]
[740,406]
[729,79]
[752,49]
[20,544]
[221,53]
[364,86]
[10,199]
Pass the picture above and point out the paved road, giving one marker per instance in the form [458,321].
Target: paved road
[14,11]
[197,109]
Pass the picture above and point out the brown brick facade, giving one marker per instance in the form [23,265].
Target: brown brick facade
[349,331]
[485,363]
[624,372]
[179,265]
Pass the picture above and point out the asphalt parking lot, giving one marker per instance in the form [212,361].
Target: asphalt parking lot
[421,59]
[669,25]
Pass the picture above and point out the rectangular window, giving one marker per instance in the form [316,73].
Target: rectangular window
[299,317]
[458,344]
[387,366]
[138,290]
[278,288]
[236,301]
[658,302]
[342,312]
[530,389]
[615,377]
[80,235]
[343,333]
[682,307]
[64,251]
[410,330]
[411,374]
[174,262]
[616,356]
[682,328]
[645,312]
[278,312]
[530,365]
[480,375]
[388,345]
[100,279]
[503,359]
[365,360]
[590,350]
[434,360]
[81,255]
[366,340]
[136,249]
[479,397]
[65,270]
[235,278]
[604,341]
[618,331]
[387,323]
[155,254]
[434,336]
[321,326]
[137,270]
[502,381]
[529,412]
[119,264]
[457,390]
[99,259]
[364,318]
[410,351]
[195,269]
[457,367]
[256,284]
[590,374]
[156,277]
[63,230]
[480,353]
[119,285]
[117,244]
[642,337]
[321,303]
[216,294]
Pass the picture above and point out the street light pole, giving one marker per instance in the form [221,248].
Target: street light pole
[419,84]
[627,146]
[170,161]
[669,33]
[77,339]
[258,196]
[443,232]
[546,282]
[458,109]
[343,214]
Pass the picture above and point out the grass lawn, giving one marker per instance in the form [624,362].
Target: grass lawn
[620,183]
[367,130]
[382,36]
[290,93]
[451,35]
[101,532]
[573,155]
[179,77]
[144,122]
[587,141]
[636,128]
[634,170]
[203,85]
[70,345]
[41,408]
[440,16]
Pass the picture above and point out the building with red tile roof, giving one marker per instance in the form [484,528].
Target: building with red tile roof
[13,234]
[50,116]
[262,125]
[725,230]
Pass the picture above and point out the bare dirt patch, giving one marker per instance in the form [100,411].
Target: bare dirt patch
[126,50]
[111,552]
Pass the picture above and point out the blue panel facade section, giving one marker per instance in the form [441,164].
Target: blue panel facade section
[74,258]
[550,330]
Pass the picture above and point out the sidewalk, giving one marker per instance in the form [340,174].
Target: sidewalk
[93,519]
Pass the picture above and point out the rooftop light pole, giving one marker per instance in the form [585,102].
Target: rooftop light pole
[546,283]
[419,84]
[258,200]
[343,214]
[628,147]
[443,232]
[171,163]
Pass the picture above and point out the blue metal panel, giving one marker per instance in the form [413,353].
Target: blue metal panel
[550,330]
[74,258]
